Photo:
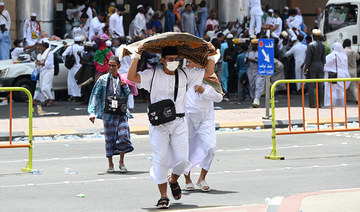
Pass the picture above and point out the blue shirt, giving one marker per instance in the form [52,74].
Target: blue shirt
[241,68]
[169,21]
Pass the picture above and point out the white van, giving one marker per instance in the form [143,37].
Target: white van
[341,21]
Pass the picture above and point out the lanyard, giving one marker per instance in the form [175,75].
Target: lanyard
[115,84]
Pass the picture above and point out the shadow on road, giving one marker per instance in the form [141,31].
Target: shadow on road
[213,191]
[127,173]
[175,206]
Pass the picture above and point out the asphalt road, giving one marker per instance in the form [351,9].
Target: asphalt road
[66,108]
[240,175]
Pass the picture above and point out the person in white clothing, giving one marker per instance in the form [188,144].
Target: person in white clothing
[32,30]
[293,23]
[277,29]
[83,28]
[298,50]
[5,16]
[169,140]
[138,25]
[269,22]
[201,126]
[45,66]
[70,14]
[116,25]
[91,12]
[96,25]
[74,90]
[255,16]
[336,61]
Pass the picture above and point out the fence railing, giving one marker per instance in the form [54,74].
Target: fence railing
[274,155]
[28,167]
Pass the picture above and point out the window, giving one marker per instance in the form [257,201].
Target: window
[339,16]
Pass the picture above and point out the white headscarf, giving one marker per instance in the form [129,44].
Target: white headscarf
[337,61]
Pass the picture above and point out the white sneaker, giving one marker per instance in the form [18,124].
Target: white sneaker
[256,103]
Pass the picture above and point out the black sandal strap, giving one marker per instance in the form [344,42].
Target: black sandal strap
[175,189]
[162,201]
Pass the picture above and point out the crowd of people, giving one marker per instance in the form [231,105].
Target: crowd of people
[182,133]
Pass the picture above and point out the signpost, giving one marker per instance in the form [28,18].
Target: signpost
[266,67]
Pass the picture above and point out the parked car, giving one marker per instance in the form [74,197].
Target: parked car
[19,74]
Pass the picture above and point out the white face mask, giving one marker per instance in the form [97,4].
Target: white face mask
[172,66]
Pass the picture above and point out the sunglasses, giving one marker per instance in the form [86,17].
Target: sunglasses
[172,59]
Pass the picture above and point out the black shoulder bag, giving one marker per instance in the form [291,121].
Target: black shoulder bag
[113,104]
[70,59]
[332,75]
[164,111]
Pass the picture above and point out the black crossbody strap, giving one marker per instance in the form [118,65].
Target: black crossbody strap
[176,85]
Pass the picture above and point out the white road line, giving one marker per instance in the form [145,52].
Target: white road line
[146,175]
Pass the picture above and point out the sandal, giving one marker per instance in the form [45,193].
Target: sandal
[202,186]
[110,170]
[189,187]
[163,203]
[175,190]
[123,169]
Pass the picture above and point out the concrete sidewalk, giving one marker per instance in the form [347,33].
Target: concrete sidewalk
[323,201]
[230,118]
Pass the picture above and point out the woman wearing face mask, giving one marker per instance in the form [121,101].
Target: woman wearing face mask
[169,139]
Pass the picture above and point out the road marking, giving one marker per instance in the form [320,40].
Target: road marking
[146,175]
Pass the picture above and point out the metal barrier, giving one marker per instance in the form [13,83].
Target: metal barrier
[28,167]
[274,155]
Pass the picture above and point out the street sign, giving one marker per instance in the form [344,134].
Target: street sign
[266,57]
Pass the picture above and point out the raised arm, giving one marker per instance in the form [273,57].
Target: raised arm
[132,74]
[209,70]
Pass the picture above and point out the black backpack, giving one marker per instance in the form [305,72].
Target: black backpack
[56,65]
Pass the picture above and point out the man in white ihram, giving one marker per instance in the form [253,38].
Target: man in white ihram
[255,16]
[169,140]
[74,90]
[116,26]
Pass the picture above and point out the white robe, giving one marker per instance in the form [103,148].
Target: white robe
[169,141]
[29,28]
[116,25]
[5,16]
[299,52]
[96,28]
[201,124]
[73,88]
[139,24]
[337,61]
[46,74]
[255,15]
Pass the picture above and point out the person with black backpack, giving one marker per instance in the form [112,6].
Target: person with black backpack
[72,62]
